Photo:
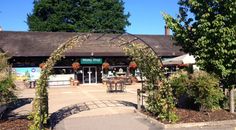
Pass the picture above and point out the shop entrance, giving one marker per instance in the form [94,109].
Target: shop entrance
[90,75]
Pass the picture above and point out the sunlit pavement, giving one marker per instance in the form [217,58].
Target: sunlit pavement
[62,96]
[102,117]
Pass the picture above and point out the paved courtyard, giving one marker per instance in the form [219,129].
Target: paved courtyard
[63,96]
[106,110]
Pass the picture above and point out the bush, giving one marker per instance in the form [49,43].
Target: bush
[160,102]
[179,82]
[7,86]
[199,89]
[205,89]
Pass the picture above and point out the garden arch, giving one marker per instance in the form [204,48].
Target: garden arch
[126,41]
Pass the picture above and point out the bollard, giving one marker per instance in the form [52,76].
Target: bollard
[138,100]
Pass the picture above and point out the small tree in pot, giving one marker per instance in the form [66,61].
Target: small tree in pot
[105,67]
[75,67]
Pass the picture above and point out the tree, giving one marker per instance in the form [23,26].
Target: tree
[207,30]
[78,16]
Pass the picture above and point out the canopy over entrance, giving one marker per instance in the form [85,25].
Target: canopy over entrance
[183,59]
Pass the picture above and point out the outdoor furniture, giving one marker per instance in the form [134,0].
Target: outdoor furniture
[115,85]
[127,81]
[105,80]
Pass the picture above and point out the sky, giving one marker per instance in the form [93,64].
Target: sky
[145,16]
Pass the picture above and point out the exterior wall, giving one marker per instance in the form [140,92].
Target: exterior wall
[64,65]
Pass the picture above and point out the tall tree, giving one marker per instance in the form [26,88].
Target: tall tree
[207,30]
[78,16]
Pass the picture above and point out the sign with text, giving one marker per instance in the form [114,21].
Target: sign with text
[91,61]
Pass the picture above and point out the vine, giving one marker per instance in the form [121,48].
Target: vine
[40,103]
[160,100]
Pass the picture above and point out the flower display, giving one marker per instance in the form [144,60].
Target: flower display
[42,66]
[75,65]
[105,65]
[132,65]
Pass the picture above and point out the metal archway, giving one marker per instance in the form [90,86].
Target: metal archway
[41,100]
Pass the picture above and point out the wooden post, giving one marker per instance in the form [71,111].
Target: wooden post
[138,100]
[231,99]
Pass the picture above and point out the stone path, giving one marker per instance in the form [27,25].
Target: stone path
[125,121]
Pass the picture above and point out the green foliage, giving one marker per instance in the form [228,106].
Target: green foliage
[200,86]
[78,16]
[7,86]
[40,103]
[179,82]
[207,30]
[160,101]
[204,88]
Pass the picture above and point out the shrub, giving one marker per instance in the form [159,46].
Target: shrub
[199,89]
[160,102]
[205,90]
[7,86]
[179,82]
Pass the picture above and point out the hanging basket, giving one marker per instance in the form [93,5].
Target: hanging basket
[105,65]
[42,66]
[75,66]
[132,65]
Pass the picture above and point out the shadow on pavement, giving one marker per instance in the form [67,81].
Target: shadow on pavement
[14,105]
[67,111]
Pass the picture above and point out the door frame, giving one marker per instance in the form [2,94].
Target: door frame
[96,76]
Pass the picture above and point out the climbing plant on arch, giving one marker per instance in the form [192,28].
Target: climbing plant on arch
[160,100]
[40,103]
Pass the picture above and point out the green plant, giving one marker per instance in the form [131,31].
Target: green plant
[7,86]
[200,87]
[179,82]
[7,90]
[205,90]
[78,16]
[207,30]
[40,103]
[160,100]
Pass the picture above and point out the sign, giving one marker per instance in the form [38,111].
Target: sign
[91,61]
[26,73]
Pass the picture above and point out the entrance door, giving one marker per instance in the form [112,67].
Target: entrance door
[90,75]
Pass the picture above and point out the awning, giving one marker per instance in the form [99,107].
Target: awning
[183,59]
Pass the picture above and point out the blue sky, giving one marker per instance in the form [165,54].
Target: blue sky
[145,16]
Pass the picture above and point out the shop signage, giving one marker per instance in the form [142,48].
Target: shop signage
[91,61]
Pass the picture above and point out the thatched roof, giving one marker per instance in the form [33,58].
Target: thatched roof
[27,44]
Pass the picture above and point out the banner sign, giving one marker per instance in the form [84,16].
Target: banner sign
[26,73]
[91,61]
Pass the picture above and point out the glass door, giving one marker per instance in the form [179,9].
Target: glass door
[86,75]
[93,75]
[90,75]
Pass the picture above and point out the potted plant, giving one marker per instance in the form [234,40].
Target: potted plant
[132,67]
[75,67]
[105,67]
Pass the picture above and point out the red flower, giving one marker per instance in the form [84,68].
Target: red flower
[42,66]
[132,65]
[105,65]
[76,65]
